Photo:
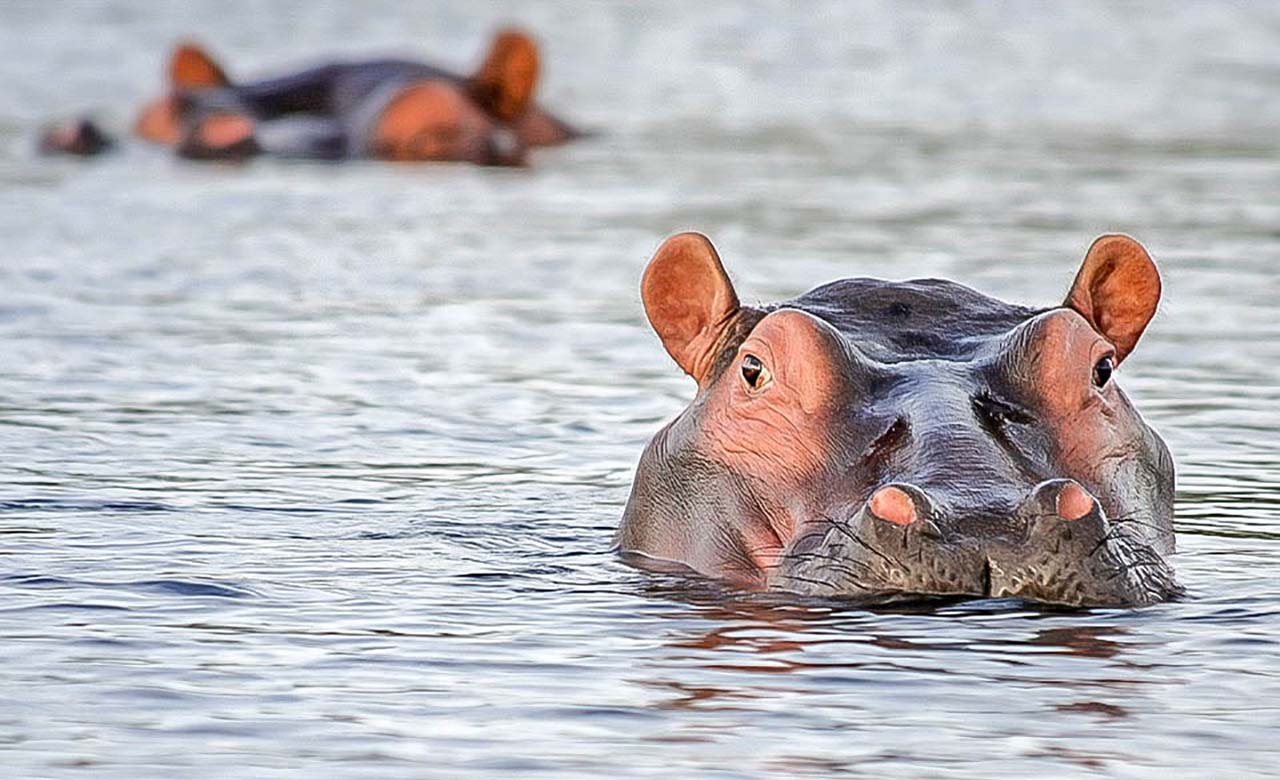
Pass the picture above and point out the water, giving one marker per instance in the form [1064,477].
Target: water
[313,471]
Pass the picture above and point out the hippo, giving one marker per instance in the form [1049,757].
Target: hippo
[388,109]
[878,441]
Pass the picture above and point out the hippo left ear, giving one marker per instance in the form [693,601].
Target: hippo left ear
[1117,291]
[690,301]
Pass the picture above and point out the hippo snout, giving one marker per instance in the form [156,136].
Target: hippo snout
[1056,547]
[1073,554]
[503,147]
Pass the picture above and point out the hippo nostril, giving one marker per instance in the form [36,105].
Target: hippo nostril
[894,505]
[1073,502]
[1063,499]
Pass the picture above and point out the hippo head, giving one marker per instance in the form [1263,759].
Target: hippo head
[883,441]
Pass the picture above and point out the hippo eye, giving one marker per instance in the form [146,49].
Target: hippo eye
[754,372]
[1103,370]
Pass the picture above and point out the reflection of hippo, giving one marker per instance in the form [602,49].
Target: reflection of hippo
[881,440]
[385,109]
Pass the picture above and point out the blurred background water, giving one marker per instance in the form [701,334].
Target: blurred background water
[313,470]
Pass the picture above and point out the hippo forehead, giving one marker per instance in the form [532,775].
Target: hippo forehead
[920,319]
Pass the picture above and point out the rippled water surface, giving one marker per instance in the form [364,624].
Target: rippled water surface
[313,471]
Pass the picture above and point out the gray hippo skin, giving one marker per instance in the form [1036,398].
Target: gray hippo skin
[884,441]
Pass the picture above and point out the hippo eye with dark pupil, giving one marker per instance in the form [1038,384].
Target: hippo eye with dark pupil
[752,370]
[1102,372]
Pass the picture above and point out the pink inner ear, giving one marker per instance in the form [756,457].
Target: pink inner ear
[689,301]
[1117,291]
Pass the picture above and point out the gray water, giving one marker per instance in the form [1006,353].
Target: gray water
[312,471]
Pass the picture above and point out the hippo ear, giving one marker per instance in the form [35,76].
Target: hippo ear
[190,67]
[1117,290]
[505,81]
[689,301]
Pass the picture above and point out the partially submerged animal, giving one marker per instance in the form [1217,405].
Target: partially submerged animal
[386,109]
[883,441]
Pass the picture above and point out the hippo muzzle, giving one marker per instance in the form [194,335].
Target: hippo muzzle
[1059,547]
[882,441]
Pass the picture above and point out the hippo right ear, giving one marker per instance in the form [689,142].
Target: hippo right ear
[1117,290]
[504,83]
[190,67]
[689,301]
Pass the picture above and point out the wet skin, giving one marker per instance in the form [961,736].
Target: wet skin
[883,441]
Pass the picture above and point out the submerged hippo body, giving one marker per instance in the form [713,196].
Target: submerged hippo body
[885,441]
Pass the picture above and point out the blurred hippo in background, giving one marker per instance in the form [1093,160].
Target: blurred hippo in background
[886,441]
[385,109]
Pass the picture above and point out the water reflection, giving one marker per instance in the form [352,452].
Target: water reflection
[1087,641]
[755,638]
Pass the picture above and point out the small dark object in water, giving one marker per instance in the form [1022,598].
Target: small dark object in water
[80,137]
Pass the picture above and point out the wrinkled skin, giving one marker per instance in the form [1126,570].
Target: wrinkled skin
[884,441]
